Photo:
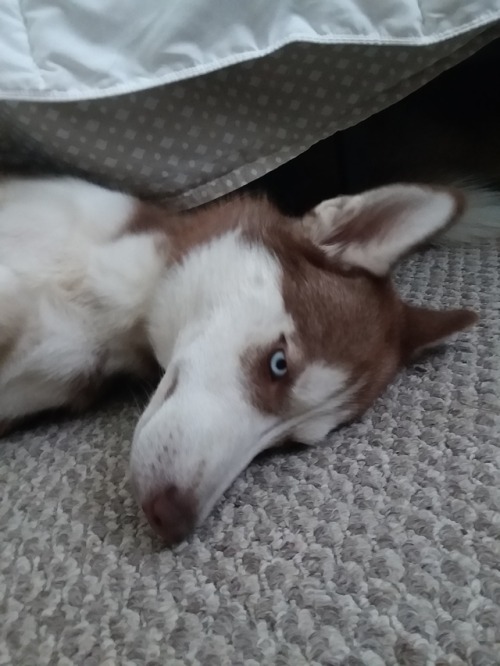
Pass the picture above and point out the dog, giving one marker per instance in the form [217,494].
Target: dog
[266,328]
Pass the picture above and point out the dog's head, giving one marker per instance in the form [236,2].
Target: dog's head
[274,330]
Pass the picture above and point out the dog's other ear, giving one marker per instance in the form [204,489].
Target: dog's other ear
[375,229]
[424,329]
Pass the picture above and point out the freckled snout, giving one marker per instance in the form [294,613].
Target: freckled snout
[172,513]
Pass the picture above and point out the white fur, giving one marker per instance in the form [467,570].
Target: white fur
[413,214]
[424,215]
[99,213]
[12,305]
[481,219]
[70,288]
[320,389]
[75,287]
[227,299]
[228,278]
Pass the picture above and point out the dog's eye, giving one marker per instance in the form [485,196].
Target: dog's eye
[277,364]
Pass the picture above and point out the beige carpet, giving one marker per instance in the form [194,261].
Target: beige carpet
[381,547]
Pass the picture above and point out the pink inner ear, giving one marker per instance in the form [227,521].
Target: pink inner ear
[370,223]
[396,209]
[375,229]
[423,328]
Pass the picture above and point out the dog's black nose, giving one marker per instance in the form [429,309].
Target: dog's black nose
[171,512]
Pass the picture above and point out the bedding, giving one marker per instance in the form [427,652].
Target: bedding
[187,101]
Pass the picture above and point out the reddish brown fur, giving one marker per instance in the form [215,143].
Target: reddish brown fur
[271,396]
[187,230]
[423,328]
[346,318]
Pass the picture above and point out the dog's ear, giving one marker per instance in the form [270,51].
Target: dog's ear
[424,329]
[375,229]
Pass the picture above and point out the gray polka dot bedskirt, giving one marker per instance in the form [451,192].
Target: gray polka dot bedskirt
[196,137]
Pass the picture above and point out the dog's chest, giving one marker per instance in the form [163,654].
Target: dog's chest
[82,319]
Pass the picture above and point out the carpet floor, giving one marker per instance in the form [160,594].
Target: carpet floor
[378,548]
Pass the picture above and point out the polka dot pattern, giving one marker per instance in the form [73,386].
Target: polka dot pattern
[190,142]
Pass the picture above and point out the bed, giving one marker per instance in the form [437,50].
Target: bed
[379,548]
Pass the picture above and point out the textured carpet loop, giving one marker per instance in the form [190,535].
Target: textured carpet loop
[378,548]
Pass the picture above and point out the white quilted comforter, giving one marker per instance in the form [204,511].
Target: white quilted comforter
[62,50]
[139,93]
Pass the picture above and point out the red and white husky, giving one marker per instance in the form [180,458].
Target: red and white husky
[267,328]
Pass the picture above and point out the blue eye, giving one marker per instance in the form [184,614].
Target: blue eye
[278,365]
